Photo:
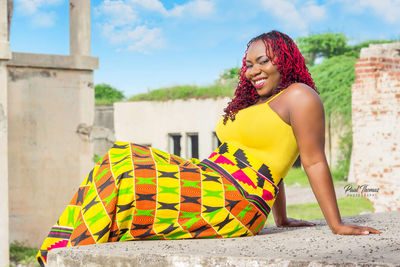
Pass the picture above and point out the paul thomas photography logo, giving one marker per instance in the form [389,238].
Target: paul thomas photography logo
[364,190]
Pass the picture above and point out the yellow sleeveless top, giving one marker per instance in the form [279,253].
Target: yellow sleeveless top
[261,132]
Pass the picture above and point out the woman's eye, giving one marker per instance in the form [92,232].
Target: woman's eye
[249,66]
[265,61]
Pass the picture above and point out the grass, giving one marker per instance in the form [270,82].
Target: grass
[348,206]
[19,254]
[297,177]
[103,102]
[186,92]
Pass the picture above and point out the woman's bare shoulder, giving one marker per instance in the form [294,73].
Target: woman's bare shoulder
[300,94]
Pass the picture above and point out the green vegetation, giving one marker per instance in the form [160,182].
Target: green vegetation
[329,45]
[224,86]
[325,44]
[348,206]
[19,254]
[297,177]
[96,158]
[333,78]
[230,74]
[105,94]
[186,92]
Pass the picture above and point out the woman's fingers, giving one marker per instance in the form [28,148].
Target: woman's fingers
[369,230]
[304,223]
[350,229]
[295,223]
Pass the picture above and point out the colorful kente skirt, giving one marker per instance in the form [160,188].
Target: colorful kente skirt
[137,192]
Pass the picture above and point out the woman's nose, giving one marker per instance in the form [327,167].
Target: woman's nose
[255,70]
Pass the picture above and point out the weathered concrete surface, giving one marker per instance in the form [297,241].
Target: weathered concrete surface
[79,27]
[375,97]
[311,246]
[47,154]
[102,135]
[4,57]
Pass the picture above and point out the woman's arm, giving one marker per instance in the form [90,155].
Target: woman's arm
[279,211]
[308,123]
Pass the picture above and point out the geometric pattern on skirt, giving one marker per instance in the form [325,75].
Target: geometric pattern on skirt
[137,192]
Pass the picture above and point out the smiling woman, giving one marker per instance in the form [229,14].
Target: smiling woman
[138,192]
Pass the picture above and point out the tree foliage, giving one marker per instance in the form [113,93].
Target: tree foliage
[328,45]
[229,74]
[322,45]
[105,94]
[333,78]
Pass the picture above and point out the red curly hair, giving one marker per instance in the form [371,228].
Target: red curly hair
[290,63]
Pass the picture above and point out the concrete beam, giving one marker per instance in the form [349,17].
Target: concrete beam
[79,27]
[302,246]
[54,61]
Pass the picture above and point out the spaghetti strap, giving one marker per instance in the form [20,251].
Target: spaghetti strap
[274,96]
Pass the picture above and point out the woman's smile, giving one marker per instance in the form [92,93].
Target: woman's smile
[259,83]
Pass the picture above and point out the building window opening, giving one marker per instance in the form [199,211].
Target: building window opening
[215,142]
[297,163]
[193,145]
[175,144]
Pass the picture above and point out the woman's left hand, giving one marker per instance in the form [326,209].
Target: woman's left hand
[290,222]
[351,229]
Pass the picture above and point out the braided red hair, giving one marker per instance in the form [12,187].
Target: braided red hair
[290,63]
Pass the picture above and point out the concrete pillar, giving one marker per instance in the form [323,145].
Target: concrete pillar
[4,57]
[79,27]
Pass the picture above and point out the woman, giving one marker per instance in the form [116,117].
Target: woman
[137,192]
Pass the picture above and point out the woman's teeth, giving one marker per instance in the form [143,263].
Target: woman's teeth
[260,81]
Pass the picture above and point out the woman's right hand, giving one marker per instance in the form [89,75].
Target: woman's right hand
[352,229]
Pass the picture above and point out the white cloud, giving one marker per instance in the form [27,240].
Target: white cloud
[388,10]
[34,9]
[194,8]
[139,38]
[199,8]
[145,39]
[120,27]
[123,26]
[153,5]
[117,13]
[295,14]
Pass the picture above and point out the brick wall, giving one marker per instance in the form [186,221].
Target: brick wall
[376,124]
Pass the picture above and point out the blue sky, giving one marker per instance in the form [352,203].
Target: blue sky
[147,44]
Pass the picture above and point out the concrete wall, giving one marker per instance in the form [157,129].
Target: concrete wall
[376,124]
[4,57]
[50,109]
[148,122]
[102,134]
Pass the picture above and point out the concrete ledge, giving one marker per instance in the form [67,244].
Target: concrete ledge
[310,246]
[390,50]
[53,61]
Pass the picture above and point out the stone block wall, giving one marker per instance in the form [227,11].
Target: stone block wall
[102,134]
[50,101]
[376,125]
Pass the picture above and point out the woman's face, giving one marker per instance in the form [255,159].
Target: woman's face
[261,72]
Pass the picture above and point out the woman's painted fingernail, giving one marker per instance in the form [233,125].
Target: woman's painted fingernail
[365,232]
